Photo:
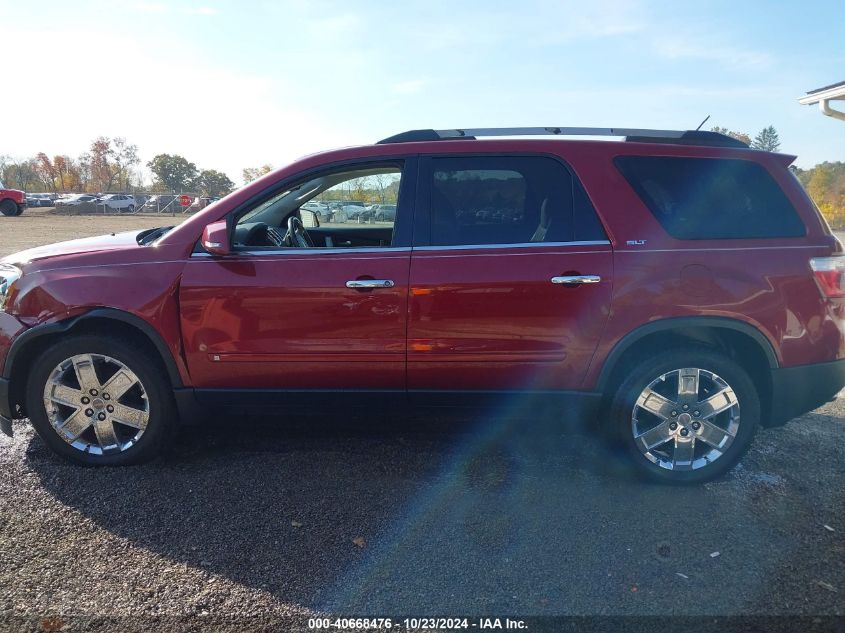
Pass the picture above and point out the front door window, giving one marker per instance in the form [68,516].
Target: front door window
[339,209]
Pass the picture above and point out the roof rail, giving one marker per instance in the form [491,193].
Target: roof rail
[682,137]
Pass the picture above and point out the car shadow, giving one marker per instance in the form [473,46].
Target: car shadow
[378,516]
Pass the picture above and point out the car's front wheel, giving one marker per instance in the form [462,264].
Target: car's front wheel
[100,401]
[686,415]
[9,208]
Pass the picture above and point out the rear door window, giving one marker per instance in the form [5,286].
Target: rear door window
[708,198]
[492,200]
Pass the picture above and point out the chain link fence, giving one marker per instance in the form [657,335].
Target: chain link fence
[124,204]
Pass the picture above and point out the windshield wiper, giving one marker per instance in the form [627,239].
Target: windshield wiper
[151,235]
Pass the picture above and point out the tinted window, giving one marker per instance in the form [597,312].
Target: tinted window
[508,200]
[705,198]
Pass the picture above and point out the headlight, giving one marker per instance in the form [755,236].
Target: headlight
[8,276]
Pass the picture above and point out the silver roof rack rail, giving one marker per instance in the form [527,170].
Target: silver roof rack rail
[684,137]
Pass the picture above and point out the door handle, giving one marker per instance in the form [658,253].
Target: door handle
[576,279]
[359,284]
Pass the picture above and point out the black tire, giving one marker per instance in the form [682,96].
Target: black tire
[162,411]
[19,211]
[643,373]
[9,208]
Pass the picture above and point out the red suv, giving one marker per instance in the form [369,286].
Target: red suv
[677,288]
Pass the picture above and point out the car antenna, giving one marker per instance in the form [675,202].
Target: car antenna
[702,123]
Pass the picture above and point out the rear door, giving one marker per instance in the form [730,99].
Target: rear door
[511,277]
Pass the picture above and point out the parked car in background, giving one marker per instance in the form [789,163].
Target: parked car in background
[201,202]
[39,200]
[321,209]
[12,201]
[76,199]
[157,203]
[353,210]
[383,212]
[117,202]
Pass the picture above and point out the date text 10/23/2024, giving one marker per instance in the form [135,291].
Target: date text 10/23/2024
[412,624]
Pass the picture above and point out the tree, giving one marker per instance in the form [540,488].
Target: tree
[358,189]
[45,171]
[19,174]
[825,183]
[103,169]
[819,184]
[254,173]
[62,173]
[174,172]
[767,140]
[67,173]
[84,163]
[211,182]
[381,182]
[107,165]
[740,136]
[125,158]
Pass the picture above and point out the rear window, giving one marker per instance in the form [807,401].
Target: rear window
[706,198]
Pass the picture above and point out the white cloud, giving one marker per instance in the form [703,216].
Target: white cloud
[410,87]
[201,11]
[541,23]
[342,24]
[161,8]
[726,55]
[164,99]
[152,7]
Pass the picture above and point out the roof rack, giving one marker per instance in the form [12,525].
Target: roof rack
[681,137]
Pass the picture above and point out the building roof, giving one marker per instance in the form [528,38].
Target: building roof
[837,85]
[828,93]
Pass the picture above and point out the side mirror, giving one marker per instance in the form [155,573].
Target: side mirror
[309,219]
[215,238]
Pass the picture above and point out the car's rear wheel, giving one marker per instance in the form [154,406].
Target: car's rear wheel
[100,401]
[678,415]
[9,208]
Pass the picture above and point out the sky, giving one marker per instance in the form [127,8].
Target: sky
[231,84]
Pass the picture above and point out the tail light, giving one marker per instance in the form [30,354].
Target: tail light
[830,275]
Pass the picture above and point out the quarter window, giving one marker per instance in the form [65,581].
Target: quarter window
[508,200]
[707,198]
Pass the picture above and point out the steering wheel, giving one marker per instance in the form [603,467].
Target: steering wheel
[297,235]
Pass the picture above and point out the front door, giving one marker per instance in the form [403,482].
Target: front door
[330,315]
[510,279]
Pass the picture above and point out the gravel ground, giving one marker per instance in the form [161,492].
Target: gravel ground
[250,519]
[261,519]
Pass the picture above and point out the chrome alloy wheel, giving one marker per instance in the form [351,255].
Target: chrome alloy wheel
[685,419]
[96,404]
